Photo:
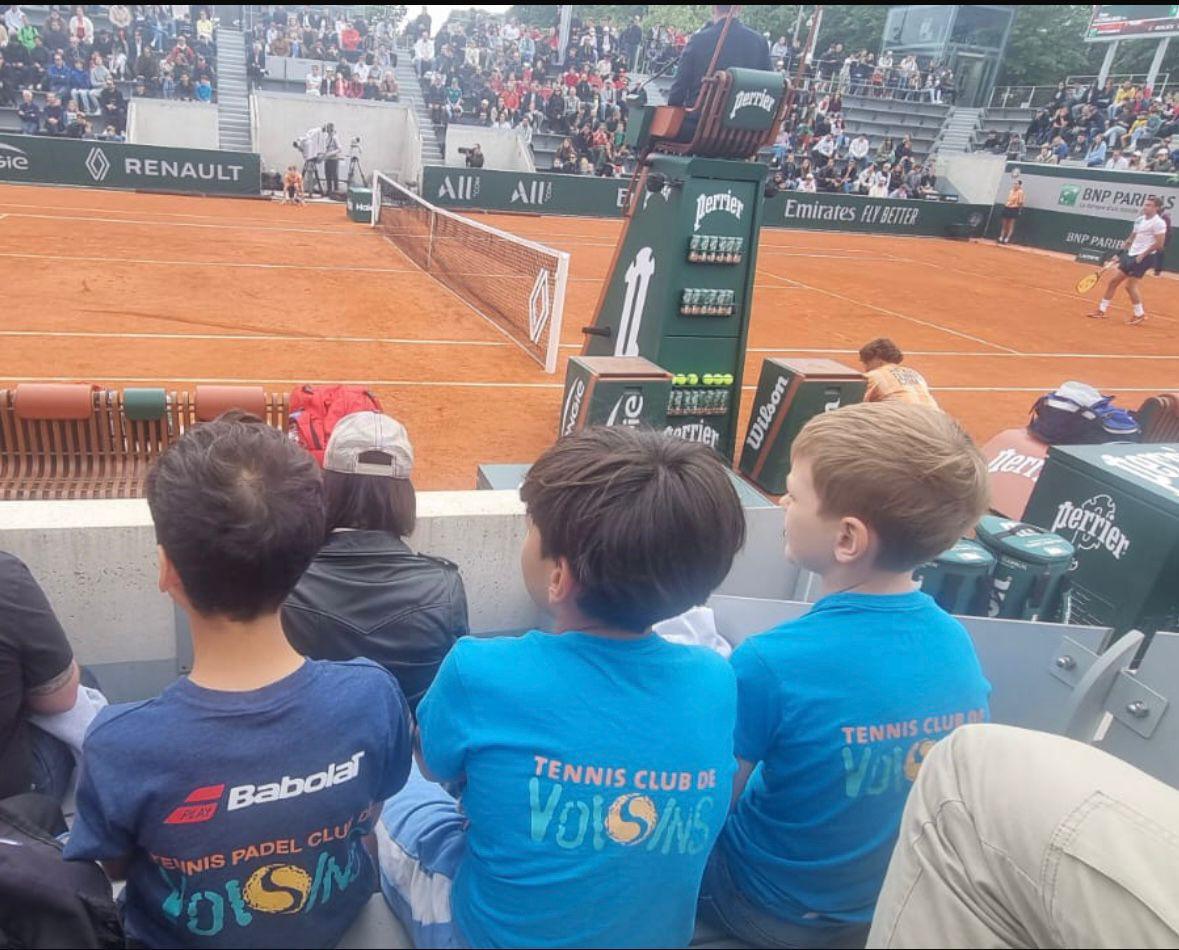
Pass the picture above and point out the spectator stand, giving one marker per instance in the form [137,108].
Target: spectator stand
[1020,120]
[481,71]
[121,53]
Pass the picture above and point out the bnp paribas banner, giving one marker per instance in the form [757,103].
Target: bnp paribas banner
[1082,209]
[547,193]
[43,160]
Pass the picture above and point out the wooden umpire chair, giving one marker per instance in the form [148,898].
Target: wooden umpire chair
[719,133]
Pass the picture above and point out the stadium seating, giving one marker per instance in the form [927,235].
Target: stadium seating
[1159,418]
[75,440]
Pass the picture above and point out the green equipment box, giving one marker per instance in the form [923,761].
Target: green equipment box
[1030,564]
[1118,505]
[614,391]
[789,394]
[360,205]
[958,579]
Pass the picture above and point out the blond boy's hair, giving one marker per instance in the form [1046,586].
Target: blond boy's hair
[909,472]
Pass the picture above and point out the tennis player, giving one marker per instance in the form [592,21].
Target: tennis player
[1011,210]
[1145,241]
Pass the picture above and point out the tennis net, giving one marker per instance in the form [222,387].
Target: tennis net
[516,284]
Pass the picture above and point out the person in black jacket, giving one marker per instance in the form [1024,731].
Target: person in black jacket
[743,47]
[366,593]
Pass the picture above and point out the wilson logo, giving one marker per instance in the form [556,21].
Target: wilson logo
[200,805]
[765,415]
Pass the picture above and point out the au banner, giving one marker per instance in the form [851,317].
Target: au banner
[44,160]
[492,190]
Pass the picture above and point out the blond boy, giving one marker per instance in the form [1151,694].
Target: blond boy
[837,710]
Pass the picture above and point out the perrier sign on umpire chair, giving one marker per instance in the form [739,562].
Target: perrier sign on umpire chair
[681,282]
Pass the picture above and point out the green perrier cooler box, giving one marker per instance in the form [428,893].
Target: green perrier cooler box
[958,578]
[1118,504]
[1030,564]
[789,394]
[614,391]
[360,205]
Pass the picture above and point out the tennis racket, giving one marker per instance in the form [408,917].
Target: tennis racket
[1089,281]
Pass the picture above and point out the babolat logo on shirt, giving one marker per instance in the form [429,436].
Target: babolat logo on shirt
[754,99]
[1092,525]
[532,193]
[201,804]
[765,415]
[723,201]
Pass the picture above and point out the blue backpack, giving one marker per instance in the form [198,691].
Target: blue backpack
[1077,414]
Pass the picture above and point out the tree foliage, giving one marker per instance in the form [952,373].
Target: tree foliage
[1046,44]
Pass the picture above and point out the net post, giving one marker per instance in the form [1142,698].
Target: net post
[430,241]
[374,212]
[554,347]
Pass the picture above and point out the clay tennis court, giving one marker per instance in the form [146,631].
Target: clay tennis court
[132,289]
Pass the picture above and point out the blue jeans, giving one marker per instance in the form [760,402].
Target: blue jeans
[51,764]
[723,906]
[421,839]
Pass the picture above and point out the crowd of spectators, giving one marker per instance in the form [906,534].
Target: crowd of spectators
[79,67]
[358,56]
[480,71]
[1125,127]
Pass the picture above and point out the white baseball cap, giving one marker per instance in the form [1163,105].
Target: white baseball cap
[369,443]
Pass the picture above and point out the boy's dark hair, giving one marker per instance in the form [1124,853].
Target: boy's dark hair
[369,503]
[648,523]
[882,348]
[238,509]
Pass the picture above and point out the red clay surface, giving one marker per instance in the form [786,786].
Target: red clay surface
[130,289]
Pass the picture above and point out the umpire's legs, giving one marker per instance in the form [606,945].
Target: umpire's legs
[1013,838]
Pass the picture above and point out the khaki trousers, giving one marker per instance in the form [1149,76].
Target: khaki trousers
[1013,838]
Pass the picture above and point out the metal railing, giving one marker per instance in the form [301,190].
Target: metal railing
[1037,97]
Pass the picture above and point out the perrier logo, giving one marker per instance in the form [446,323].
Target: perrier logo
[1069,195]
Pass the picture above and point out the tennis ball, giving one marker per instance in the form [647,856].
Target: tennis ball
[708,379]
[693,379]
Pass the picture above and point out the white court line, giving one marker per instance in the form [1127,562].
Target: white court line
[445,384]
[171,214]
[239,337]
[893,313]
[988,354]
[456,384]
[246,226]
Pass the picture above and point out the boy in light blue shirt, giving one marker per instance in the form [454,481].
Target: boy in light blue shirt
[595,760]
[836,710]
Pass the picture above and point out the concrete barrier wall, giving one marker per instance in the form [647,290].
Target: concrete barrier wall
[501,147]
[278,118]
[172,123]
[974,176]
[97,562]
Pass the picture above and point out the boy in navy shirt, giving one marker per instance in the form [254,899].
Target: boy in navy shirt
[237,803]
[836,710]
[595,759]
